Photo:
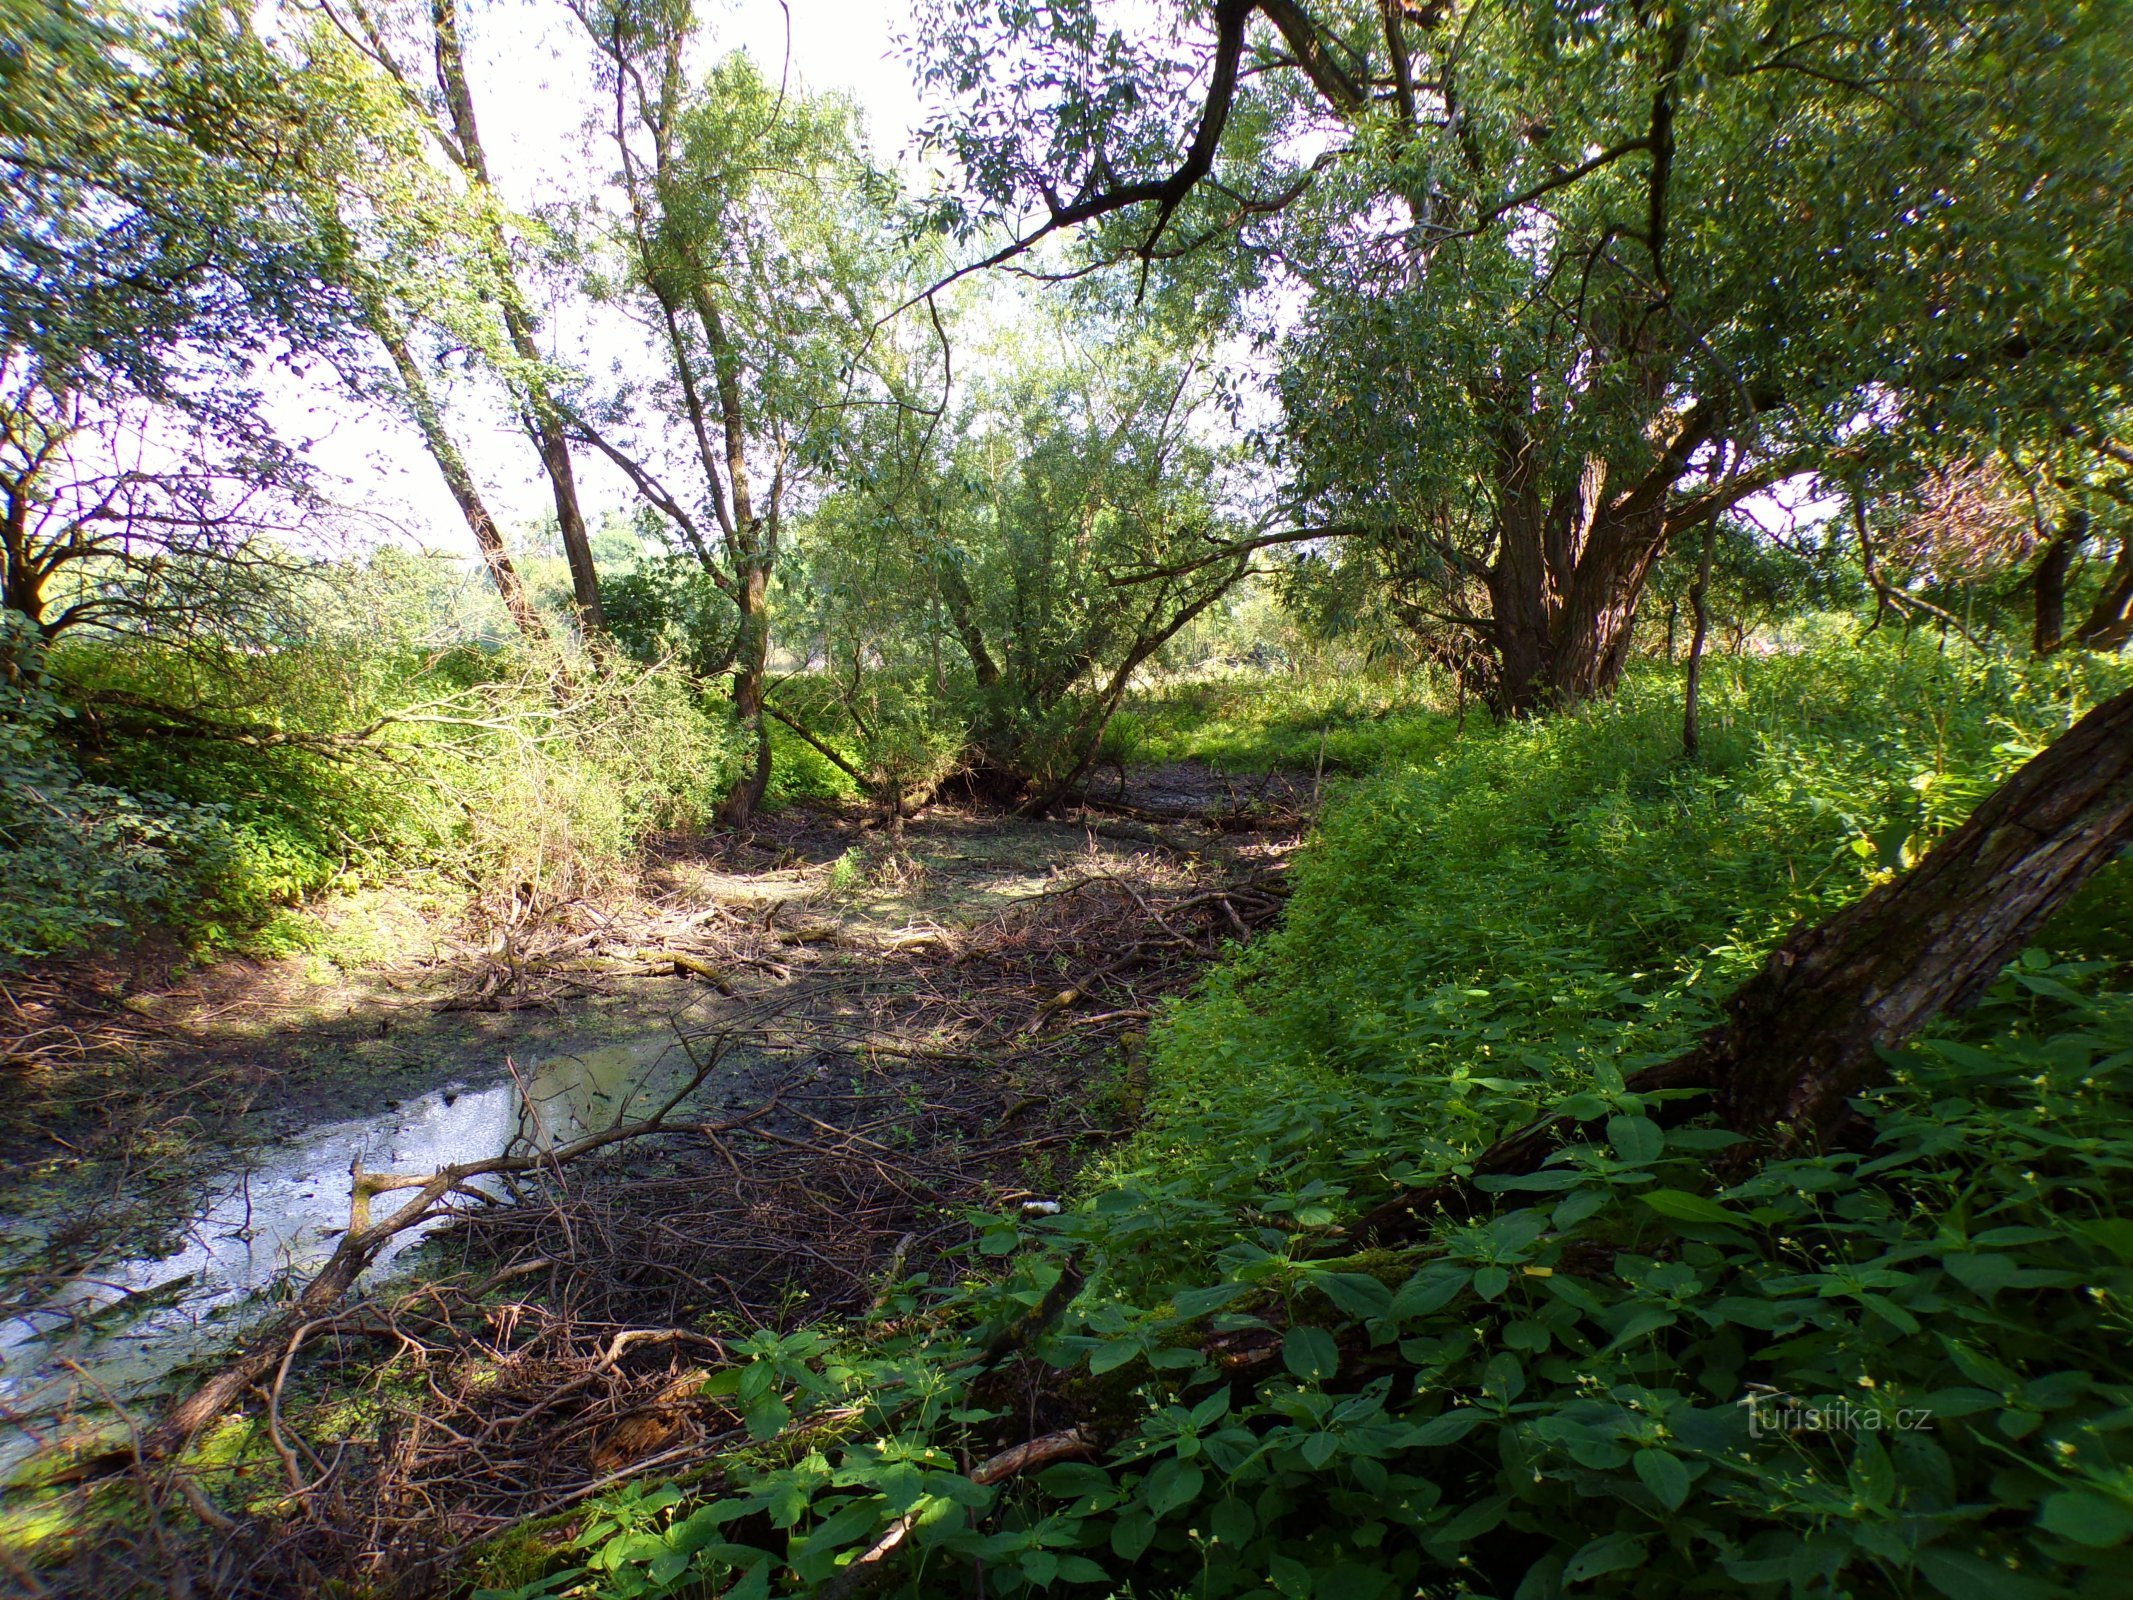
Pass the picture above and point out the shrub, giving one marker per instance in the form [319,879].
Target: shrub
[522,775]
[81,859]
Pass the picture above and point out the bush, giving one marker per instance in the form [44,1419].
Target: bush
[212,788]
[81,859]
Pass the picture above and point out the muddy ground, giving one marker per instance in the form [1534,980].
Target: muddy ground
[890,1027]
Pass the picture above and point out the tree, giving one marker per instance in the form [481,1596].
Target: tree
[748,242]
[155,249]
[1062,524]
[394,84]
[1577,282]
[119,515]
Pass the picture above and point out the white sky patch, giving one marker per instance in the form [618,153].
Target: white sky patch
[540,116]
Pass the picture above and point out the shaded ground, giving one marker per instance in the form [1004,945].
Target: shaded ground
[903,1027]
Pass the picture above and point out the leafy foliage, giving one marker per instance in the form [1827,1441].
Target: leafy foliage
[209,788]
[1893,1367]
[82,859]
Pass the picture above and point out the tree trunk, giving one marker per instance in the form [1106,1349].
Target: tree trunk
[2110,621]
[22,580]
[1806,1033]
[750,668]
[1691,700]
[543,422]
[2049,580]
[547,430]
[1598,621]
[444,450]
[1569,571]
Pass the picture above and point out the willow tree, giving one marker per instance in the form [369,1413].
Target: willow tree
[436,257]
[747,247]
[1033,546]
[1574,280]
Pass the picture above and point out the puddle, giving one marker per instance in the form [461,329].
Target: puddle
[128,1323]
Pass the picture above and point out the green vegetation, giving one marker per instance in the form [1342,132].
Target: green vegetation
[1659,472]
[209,791]
[1584,1389]
[1252,722]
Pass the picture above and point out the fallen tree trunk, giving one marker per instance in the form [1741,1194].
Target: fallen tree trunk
[1806,1033]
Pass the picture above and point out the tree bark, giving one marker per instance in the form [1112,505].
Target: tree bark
[2049,580]
[1805,1034]
[444,450]
[1599,616]
[2110,621]
[544,421]
[1563,630]
[750,668]
[1691,699]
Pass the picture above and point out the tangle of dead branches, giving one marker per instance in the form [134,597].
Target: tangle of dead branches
[870,1087]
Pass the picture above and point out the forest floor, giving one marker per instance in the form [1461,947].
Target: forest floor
[890,1028]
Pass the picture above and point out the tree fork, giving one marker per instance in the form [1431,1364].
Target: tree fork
[1806,1033]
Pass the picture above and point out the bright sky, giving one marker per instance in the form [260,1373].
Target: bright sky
[533,95]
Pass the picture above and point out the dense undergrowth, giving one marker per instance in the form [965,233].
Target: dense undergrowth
[210,790]
[1896,1368]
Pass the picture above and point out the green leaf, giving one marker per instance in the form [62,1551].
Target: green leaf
[1232,1521]
[1190,1303]
[1112,1356]
[1961,1576]
[1428,1290]
[1356,1293]
[767,1417]
[1682,1206]
[2114,1234]
[1040,1567]
[1489,1282]
[1664,1475]
[2087,1517]
[1447,1428]
[1640,1321]
[1131,1534]
[1612,1552]
[1310,1353]
[1637,1140]
[1173,1483]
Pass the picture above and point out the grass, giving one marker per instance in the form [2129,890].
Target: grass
[1257,722]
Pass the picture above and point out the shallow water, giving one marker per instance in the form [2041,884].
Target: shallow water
[112,1333]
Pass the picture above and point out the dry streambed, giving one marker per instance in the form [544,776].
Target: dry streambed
[869,1035]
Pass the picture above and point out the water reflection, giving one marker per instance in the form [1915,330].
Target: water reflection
[129,1322]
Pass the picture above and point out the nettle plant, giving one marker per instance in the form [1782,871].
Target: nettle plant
[1900,1367]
